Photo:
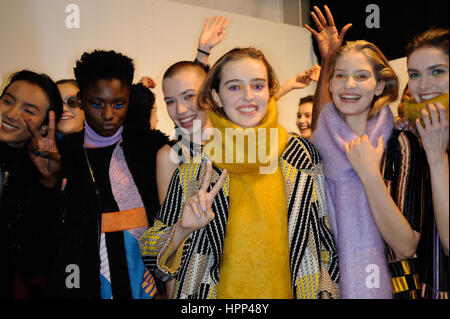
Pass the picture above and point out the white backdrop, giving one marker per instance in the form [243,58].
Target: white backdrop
[155,33]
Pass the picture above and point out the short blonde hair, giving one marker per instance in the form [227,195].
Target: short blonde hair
[381,67]
[212,81]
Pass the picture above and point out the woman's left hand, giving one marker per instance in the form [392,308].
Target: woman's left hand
[363,157]
[314,72]
[44,153]
[213,34]
[148,82]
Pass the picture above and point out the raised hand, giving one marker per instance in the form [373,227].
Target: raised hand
[148,82]
[213,34]
[300,81]
[327,37]
[434,135]
[362,156]
[197,212]
[43,151]
[314,72]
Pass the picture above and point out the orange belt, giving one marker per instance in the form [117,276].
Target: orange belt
[124,220]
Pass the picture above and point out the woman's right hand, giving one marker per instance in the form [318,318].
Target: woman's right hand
[328,38]
[434,134]
[197,212]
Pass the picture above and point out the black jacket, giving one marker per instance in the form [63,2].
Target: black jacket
[28,218]
[79,216]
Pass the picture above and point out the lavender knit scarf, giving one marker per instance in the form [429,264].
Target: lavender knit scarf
[360,245]
[93,140]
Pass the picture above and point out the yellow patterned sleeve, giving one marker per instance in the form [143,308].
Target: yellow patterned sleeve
[171,265]
[154,245]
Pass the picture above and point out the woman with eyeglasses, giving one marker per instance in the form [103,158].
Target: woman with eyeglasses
[72,119]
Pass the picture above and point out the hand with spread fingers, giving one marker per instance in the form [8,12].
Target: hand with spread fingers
[363,156]
[197,212]
[434,135]
[213,34]
[327,37]
[43,151]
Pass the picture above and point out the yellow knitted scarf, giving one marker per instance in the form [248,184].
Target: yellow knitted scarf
[412,109]
[255,257]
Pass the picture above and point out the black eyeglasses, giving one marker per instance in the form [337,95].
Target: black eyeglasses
[71,101]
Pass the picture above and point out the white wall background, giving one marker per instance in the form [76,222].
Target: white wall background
[155,33]
[264,9]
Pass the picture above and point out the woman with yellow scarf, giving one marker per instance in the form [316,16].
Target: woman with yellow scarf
[247,218]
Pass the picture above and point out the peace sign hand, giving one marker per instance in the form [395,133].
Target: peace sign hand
[43,151]
[197,212]
[328,38]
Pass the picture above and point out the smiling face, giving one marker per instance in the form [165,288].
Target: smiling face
[180,94]
[353,85]
[105,105]
[428,73]
[21,97]
[304,115]
[72,118]
[243,91]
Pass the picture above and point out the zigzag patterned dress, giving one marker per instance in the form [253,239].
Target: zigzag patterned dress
[313,255]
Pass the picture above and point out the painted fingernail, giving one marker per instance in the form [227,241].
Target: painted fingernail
[37,153]
[204,208]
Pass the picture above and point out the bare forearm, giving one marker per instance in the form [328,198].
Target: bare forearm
[284,89]
[322,95]
[393,226]
[439,173]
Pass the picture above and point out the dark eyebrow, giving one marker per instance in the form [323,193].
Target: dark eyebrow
[187,91]
[31,105]
[26,104]
[10,95]
[358,70]
[230,81]
[259,79]
[437,66]
[95,98]
[120,98]
[237,80]
[430,67]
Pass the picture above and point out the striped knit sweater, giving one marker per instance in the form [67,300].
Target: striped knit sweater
[313,255]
